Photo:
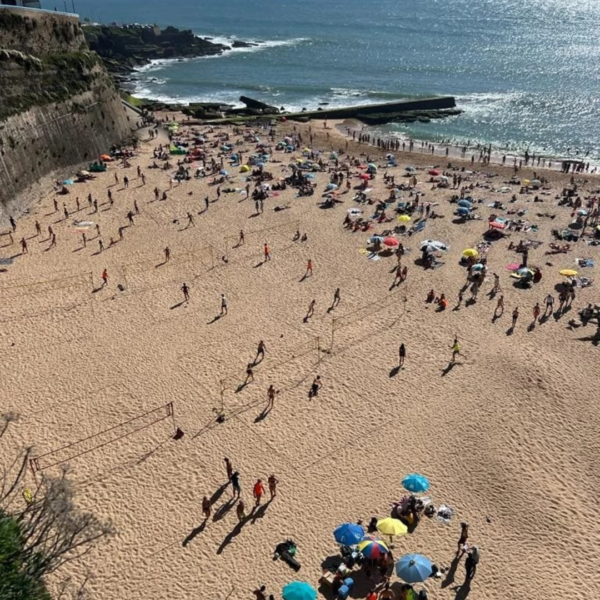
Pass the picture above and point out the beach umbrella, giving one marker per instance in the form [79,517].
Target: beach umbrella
[437,245]
[349,534]
[333,155]
[525,182]
[470,252]
[525,273]
[373,549]
[477,267]
[331,186]
[414,568]
[582,212]
[390,241]
[434,172]
[223,172]
[376,238]
[245,168]
[416,483]
[404,218]
[497,225]
[372,166]
[463,211]
[513,266]
[391,527]
[365,176]
[410,169]
[568,272]
[354,211]
[299,590]
[465,203]
[536,182]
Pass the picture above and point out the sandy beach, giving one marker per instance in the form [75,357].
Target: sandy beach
[508,435]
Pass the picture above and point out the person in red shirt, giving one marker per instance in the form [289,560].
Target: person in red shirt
[259,490]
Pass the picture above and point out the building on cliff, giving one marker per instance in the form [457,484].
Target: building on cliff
[59,107]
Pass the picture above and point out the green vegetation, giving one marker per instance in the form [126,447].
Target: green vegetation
[16,583]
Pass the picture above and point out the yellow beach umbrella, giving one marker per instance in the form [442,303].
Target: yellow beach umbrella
[525,182]
[404,218]
[470,252]
[391,527]
[245,168]
[568,272]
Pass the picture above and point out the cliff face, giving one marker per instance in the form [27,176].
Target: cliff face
[58,105]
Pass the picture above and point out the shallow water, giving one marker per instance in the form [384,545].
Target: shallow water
[526,73]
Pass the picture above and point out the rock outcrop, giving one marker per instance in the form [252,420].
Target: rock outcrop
[58,105]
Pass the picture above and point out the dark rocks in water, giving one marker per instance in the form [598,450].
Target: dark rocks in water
[258,105]
[323,103]
[126,47]
[240,44]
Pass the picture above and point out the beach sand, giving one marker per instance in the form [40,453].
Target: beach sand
[509,437]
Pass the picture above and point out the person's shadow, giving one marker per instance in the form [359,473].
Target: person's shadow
[510,330]
[218,493]
[263,415]
[258,512]
[395,370]
[232,535]
[214,320]
[449,580]
[224,509]
[196,531]
[448,368]
[462,591]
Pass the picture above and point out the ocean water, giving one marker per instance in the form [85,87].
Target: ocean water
[526,72]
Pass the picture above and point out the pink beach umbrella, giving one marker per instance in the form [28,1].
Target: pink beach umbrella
[390,241]
[497,225]
[434,172]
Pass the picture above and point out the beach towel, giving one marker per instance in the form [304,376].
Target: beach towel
[584,262]
[445,514]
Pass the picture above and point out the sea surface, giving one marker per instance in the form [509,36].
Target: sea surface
[526,72]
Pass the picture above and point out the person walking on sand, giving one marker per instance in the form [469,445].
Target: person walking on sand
[206,507]
[317,384]
[271,392]
[259,490]
[223,305]
[401,355]
[462,540]
[309,268]
[130,217]
[228,468]
[13,223]
[241,511]
[311,310]
[536,312]
[398,276]
[235,484]
[186,292]
[471,564]
[104,277]
[260,351]
[404,274]
[241,240]
[336,298]
[496,287]
[273,481]
[515,317]
[83,240]
[267,252]
[499,310]
[249,374]
[167,252]
[24,249]
[549,305]
[100,245]
[38,229]
[455,349]
[52,240]
[190,220]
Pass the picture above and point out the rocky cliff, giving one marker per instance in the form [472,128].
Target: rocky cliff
[58,105]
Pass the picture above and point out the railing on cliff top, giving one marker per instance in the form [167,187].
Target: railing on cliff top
[39,10]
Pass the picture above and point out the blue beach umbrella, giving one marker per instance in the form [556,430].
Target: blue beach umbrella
[416,483]
[375,238]
[413,568]
[463,211]
[349,534]
[223,172]
[298,590]
[464,203]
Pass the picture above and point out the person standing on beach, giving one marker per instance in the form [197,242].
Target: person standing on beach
[271,392]
[260,351]
[462,540]
[273,481]
[267,252]
[515,317]
[455,349]
[259,490]
[241,511]
[167,254]
[241,240]
[13,223]
[471,563]
[499,310]
[38,229]
[223,305]
[186,292]
[24,249]
[228,468]
[496,287]
[206,507]
[249,374]
[190,219]
[309,268]
[317,384]
[235,484]
[536,312]
[336,298]
[311,310]
[401,355]
[104,277]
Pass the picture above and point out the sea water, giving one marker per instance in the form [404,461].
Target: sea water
[526,72]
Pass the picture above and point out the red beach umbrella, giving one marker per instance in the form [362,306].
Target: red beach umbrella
[390,241]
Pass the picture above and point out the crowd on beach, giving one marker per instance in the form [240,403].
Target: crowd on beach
[392,205]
